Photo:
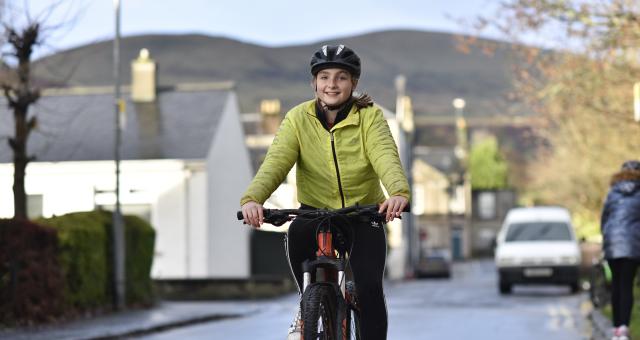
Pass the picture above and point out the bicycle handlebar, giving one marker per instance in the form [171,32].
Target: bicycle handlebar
[278,217]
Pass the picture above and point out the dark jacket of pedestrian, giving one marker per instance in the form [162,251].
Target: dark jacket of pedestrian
[621,214]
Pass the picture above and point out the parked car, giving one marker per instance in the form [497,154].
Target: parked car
[537,245]
[436,262]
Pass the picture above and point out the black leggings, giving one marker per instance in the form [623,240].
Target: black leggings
[367,262]
[623,272]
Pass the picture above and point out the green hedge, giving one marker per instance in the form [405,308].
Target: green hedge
[85,256]
[140,239]
[82,240]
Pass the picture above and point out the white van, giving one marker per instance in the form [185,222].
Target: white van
[537,245]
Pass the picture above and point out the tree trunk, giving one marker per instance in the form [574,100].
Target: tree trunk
[19,194]
[20,95]
[20,161]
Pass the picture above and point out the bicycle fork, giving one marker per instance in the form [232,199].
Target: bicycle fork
[325,269]
[325,255]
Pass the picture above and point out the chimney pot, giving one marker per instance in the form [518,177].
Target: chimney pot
[270,113]
[143,78]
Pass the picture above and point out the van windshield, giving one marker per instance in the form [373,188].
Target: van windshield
[538,231]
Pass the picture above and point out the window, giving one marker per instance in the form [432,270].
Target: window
[538,231]
[34,206]
[487,205]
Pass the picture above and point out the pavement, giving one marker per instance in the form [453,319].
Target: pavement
[601,326]
[162,316]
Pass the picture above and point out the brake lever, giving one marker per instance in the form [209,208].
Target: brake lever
[275,219]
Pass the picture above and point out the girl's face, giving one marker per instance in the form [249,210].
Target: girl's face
[334,86]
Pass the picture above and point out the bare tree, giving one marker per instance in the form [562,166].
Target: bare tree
[20,95]
[579,82]
[19,40]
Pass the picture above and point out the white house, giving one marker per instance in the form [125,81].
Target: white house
[184,165]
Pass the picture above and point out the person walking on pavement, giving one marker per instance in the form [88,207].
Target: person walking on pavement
[620,224]
[342,148]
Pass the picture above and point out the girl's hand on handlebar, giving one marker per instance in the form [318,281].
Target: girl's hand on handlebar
[252,213]
[393,207]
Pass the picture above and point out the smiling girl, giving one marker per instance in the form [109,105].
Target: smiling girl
[343,149]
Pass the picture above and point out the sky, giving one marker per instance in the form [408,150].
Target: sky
[269,23]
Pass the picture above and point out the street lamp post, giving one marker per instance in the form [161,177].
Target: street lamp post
[118,223]
[461,152]
[408,128]
[404,116]
[461,129]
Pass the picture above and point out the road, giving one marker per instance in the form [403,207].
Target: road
[467,306]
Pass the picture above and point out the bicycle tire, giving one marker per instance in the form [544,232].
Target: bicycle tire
[598,288]
[352,322]
[319,313]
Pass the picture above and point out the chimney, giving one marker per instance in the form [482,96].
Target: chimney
[270,113]
[143,78]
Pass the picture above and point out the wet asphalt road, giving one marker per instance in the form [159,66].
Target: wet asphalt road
[467,306]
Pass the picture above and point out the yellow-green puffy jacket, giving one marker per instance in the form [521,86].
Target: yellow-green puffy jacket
[365,154]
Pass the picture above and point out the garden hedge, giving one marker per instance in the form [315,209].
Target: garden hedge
[86,258]
[140,240]
[84,254]
[62,265]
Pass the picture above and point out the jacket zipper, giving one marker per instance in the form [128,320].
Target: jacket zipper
[335,161]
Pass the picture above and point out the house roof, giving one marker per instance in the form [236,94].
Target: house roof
[78,124]
[443,159]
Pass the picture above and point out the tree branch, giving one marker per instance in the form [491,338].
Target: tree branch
[12,143]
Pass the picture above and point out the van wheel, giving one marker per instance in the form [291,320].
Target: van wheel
[575,287]
[505,288]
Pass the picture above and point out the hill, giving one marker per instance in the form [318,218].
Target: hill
[436,71]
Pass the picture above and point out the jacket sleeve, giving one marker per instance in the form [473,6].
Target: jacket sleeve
[281,156]
[383,154]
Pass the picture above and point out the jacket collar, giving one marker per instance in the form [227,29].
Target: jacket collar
[353,118]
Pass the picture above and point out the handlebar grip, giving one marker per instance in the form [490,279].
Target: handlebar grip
[266,213]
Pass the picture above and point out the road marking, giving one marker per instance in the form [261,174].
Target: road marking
[560,317]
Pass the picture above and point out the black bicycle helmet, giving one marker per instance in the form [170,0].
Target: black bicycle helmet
[339,56]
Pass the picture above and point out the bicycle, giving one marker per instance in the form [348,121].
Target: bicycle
[600,282]
[329,304]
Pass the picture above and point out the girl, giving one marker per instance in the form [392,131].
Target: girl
[342,148]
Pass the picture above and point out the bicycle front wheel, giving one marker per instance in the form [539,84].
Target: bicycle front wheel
[319,313]
[353,325]
[352,317]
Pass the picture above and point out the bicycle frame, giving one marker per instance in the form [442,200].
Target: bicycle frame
[324,275]
[600,282]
